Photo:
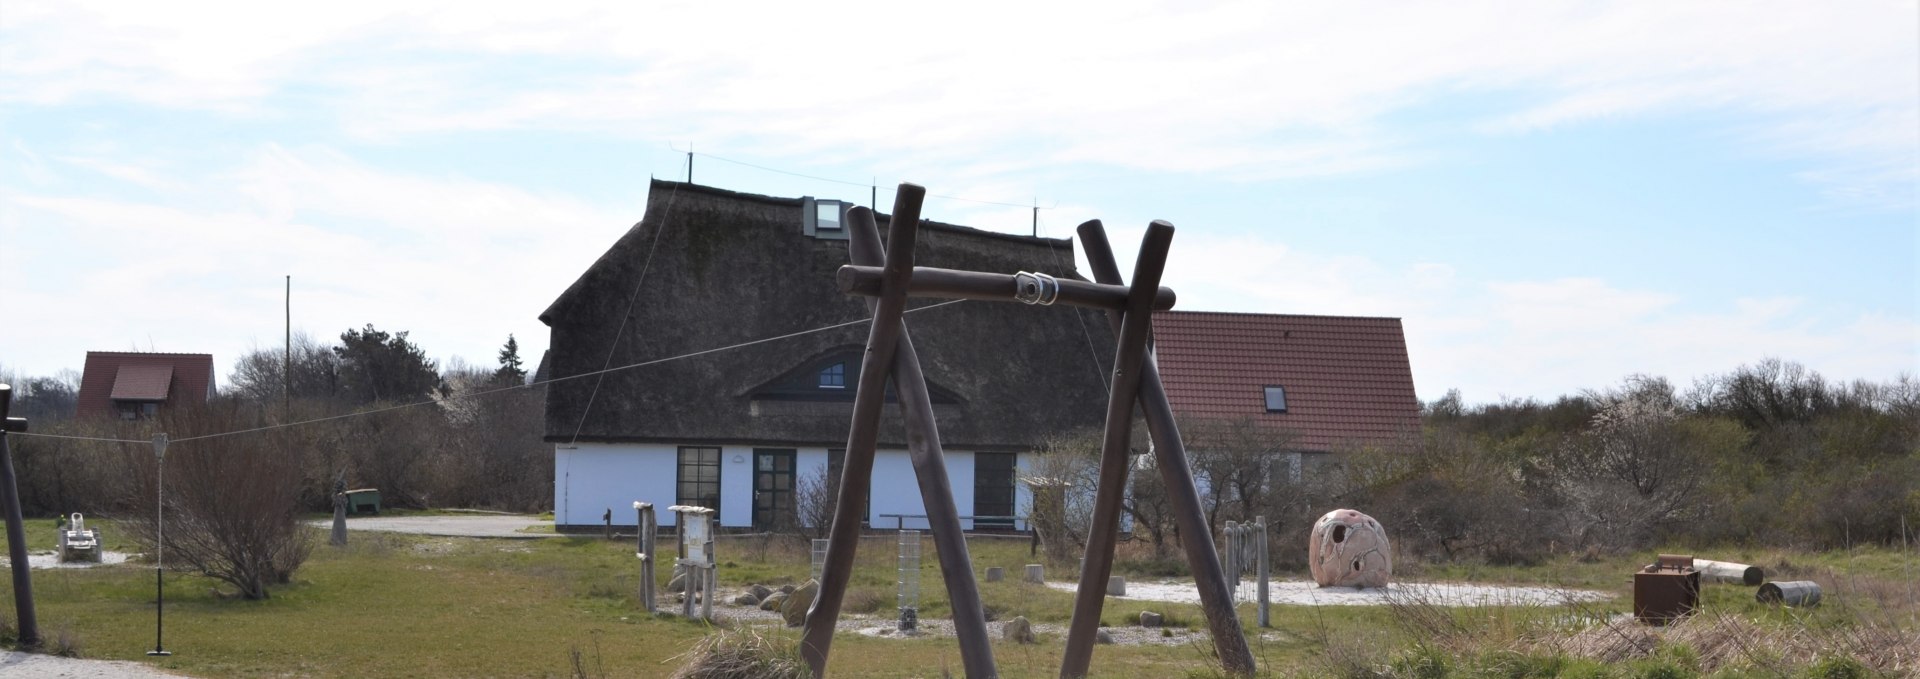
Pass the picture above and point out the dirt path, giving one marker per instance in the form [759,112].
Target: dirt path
[1308,594]
[482,526]
[15,665]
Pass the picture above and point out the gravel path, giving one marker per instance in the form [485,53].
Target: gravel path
[14,665]
[1303,593]
[484,526]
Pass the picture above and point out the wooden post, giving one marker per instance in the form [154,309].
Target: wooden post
[28,622]
[856,476]
[1262,572]
[1124,390]
[930,468]
[645,534]
[1170,454]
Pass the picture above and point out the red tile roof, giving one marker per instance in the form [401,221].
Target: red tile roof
[142,382]
[1347,378]
[170,378]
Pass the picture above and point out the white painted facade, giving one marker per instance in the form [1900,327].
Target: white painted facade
[591,478]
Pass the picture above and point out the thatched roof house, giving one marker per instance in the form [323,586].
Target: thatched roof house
[708,269]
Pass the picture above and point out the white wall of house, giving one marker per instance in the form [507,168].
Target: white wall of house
[590,478]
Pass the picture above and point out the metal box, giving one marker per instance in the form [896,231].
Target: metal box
[1666,590]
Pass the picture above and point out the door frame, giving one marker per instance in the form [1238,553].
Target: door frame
[771,471]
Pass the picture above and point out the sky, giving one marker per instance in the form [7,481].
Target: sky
[1551,196]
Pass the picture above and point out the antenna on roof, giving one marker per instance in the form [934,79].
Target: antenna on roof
[689,162]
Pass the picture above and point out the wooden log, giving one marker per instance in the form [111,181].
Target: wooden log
[1183,495]
[1123,391]
[934,282]
[856,475]
[930,468]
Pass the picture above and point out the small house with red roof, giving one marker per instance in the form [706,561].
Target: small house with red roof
[1319,384]
[132,385]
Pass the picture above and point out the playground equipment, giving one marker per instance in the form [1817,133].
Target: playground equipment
[888,275]
[78,542]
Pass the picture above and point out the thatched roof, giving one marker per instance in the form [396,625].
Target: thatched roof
[733,268]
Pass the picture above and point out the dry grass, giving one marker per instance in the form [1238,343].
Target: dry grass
[742,652]
[1732,641]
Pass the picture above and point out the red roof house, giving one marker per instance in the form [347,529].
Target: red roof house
[133,385]
[1327,381]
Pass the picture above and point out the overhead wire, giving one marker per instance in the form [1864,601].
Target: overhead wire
[485,392]
[1099,373]
[666,220]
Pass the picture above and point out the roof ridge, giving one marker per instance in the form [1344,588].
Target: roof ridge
[1189,312]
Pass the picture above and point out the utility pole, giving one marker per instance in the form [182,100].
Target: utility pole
[286,370]
[16,530]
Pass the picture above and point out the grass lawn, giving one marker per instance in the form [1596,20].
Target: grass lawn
[406,606]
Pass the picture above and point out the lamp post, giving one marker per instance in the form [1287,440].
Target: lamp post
[159,544]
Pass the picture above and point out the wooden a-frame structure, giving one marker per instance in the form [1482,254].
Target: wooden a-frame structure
[890,278]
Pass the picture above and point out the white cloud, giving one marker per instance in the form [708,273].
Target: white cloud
[1240,89]
[461,263]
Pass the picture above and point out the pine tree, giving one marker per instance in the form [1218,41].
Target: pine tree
[510,371]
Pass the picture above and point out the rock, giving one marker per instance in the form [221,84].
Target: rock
[1018,630]
[678,583]
[795,609]
[1151,619]
[774,601]
[747,599]
[1102,637]
[760,591]
[996,573]
[1349,549]
[787,588]
[1117,585]
[1036,574]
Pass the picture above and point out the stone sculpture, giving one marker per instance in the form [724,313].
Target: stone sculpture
[1349,549]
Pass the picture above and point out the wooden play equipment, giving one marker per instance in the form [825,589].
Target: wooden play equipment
[890,277]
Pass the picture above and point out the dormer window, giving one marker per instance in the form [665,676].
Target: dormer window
[834,376]
[826,215]
[824,219]
[1276,399]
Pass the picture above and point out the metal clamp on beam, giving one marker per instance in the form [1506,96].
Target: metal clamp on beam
[1035,288]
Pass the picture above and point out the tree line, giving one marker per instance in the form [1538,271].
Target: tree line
[234,501]
[1769,454]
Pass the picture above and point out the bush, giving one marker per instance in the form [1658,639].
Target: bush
[232,503]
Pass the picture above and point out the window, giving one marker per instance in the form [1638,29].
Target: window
[137,410]
[993,489]
[834,376]
[826,216]
[1276,399]
[699,478]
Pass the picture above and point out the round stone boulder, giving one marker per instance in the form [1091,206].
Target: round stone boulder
[1349,549]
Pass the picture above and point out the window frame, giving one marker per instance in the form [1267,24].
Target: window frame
[840,375]
[680,480]
[1269,391]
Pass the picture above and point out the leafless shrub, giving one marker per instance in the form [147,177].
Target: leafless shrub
[232,503]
